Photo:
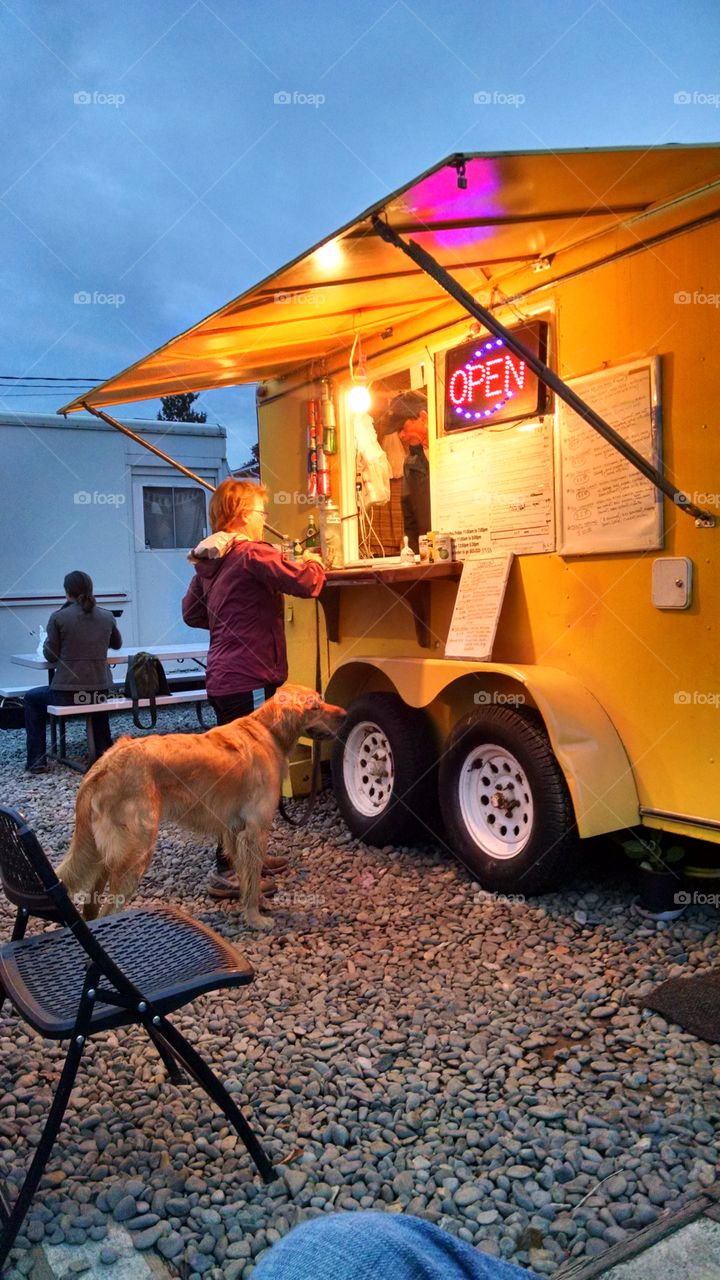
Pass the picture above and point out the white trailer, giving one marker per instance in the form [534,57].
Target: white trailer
[77,494]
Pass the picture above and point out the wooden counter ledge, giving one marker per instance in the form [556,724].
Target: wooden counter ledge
[407,582]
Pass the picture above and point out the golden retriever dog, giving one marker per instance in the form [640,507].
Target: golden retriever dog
[224,785]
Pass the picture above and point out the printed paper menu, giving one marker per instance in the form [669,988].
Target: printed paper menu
[605,504]
[477,607]
[494,488]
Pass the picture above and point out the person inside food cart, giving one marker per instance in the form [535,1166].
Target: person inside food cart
[407,414]
[237,594]
[78,638]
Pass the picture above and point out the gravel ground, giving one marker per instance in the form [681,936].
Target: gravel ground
[410,1043]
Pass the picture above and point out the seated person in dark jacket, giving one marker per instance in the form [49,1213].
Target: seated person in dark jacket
[78,638]
[407,415]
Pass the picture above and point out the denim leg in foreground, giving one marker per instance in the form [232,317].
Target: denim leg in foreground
[378,1246]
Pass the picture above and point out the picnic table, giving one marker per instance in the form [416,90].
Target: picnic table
[195,653]
[118,657]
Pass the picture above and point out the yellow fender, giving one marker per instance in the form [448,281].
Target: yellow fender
[583,738]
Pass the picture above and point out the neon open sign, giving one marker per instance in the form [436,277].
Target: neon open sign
[485,382]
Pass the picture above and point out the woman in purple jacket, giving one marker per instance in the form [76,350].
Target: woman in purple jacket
[237,593]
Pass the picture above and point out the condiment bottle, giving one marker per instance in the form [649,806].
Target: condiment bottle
[407,555]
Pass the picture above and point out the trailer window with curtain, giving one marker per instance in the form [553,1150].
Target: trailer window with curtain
[173,517]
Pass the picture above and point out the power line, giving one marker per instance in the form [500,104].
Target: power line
[50,377]
[25,395]
[36,386]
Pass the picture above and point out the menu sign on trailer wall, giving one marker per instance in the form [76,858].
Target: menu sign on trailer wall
[486,383]
[494,489]
[477,607]
[605,504]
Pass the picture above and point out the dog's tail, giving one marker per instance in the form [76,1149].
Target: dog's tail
[83,866]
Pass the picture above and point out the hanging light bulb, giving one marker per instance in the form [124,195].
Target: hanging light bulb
[359,398]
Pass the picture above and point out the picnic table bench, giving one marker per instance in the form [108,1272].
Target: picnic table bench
[58,716]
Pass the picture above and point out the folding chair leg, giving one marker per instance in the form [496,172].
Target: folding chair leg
[18,933]
[21,924]
[175,1075]
[14,1220]
[201,1072]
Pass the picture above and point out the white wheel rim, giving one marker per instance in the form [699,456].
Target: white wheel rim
[496,801]
[368,769]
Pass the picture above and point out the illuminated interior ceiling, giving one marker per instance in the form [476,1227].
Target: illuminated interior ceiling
[515,210]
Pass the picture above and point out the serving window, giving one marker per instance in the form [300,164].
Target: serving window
[382,533]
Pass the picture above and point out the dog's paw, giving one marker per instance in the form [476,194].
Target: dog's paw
[257,921]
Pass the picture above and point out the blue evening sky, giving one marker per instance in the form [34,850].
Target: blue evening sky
[181,182]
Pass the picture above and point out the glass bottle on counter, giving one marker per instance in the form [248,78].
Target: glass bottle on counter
[312,534]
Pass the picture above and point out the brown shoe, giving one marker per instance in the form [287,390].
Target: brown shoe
[274,864]
[223,885]
[227,886]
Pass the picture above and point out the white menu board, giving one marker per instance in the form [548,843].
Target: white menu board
[479,599]
[493,488]
[604,503]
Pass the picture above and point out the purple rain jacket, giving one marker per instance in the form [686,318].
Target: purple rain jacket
[238,598]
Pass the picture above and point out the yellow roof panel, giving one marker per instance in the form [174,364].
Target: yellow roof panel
[516,208]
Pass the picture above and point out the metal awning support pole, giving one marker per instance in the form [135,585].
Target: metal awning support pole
[119,426]
[431,267]
[126,431]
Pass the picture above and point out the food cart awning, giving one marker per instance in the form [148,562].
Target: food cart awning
[482,217]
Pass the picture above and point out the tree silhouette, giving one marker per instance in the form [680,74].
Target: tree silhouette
[179,409]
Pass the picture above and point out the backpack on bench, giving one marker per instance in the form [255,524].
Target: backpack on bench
[145,679]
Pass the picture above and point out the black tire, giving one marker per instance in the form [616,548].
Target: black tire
[405,809]
[528,847]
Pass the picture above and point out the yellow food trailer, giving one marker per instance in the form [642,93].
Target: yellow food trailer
[559,678]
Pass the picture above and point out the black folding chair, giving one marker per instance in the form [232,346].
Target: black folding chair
[131,968]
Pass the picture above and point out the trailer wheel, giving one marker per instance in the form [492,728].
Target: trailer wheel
[384,770]
[507,809]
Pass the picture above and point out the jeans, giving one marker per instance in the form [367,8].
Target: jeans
[229,707]
[36,703]
[379,1246]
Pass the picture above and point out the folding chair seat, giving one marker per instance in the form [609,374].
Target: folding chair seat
[167,955]
[133,968]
